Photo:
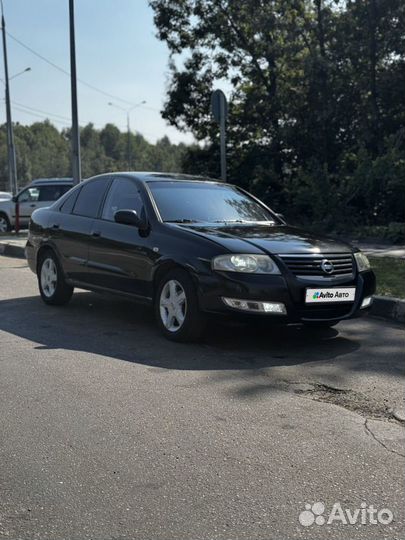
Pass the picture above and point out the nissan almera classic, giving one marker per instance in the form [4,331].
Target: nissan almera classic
[193,247]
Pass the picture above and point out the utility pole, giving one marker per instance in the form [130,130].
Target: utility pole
[127,112]
[76,163]
[12,163]
[128,142]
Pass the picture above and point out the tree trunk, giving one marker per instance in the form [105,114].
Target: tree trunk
[372,27]
[323,86]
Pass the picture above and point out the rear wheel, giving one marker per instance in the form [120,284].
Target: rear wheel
[52,285]
[5,225]
[176,307]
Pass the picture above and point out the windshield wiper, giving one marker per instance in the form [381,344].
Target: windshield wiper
[243,221]
[230,221]
[181,221]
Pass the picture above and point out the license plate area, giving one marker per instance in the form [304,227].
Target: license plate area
[330,295]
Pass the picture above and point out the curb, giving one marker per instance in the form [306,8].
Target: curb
[388,307]
[12,250]
[385,307]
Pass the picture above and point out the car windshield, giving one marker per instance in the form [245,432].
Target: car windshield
[202,202]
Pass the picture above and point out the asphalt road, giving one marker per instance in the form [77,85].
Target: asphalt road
[108,431]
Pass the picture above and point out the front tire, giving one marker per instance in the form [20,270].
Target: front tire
[51,282]
[176,307]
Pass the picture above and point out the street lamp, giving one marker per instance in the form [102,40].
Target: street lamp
[16,75]
[20,73]
[12,164]
[127,111]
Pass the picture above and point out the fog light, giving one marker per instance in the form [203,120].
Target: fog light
[277,308]
[367,301]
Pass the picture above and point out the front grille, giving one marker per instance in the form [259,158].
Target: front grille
[311,265]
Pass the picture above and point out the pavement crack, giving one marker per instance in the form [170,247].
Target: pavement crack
[351,400]
[370,432]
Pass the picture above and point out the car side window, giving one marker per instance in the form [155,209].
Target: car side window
[90,197]
[69,203]
[29,195]
[52,193]
[123,195]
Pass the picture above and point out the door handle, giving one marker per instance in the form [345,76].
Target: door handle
[33,205]
[96,234]
[55,226]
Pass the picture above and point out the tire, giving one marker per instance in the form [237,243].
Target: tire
[51,282]
[178,319]
[5,225]
[321,324]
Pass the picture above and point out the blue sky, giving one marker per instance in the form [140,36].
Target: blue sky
[116,49]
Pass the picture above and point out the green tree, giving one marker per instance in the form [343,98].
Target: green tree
[43,151]
[314,91]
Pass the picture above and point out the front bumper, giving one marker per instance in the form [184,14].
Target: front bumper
[30,255]
[286,289]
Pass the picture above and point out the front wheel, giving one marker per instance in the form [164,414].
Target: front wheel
[52,285]
[176,307]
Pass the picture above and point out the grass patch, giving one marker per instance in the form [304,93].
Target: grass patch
[390,274]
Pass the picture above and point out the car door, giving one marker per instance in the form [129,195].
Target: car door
[38,197]
[70,227]
[120,255]
[28,201]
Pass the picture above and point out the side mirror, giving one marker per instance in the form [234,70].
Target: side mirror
[14,199]
[129,217]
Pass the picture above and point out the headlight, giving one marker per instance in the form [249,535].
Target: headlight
[362,262]
[249,264]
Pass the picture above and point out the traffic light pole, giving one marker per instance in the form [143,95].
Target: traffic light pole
[223,146]
[219,109]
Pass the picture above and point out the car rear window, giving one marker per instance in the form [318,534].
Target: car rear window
[52,193]
[69,202]
[90,197]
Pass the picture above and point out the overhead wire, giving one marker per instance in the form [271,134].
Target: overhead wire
[57,118]
[38,112]
[65,72]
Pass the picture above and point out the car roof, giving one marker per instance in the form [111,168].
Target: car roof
[145,176]
[46,181]
[142,176]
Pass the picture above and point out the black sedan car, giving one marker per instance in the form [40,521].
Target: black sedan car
[191,247]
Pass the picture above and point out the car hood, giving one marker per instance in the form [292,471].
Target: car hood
[269,238]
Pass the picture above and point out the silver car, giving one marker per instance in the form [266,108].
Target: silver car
[38,194]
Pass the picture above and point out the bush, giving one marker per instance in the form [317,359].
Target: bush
[394,233]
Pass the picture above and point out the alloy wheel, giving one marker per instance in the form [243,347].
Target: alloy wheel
[3,225]
[173,305]
[48,277]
